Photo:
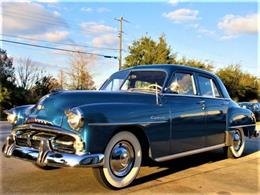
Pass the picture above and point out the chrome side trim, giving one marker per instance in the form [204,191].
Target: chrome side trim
[127,123]
[239,126]
[196,96]
[182,154]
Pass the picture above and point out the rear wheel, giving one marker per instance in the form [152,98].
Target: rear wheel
[122,161]
[238,144]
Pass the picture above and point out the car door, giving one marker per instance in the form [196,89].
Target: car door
[187,113]
[216,109]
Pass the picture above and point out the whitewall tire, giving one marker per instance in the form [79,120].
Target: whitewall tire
[122,161]
[238,146]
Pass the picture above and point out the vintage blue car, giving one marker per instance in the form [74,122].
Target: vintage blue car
[158,112]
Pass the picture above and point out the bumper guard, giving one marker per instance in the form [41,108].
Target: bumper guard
[46,157]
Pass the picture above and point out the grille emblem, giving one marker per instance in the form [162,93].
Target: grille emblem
[40,121]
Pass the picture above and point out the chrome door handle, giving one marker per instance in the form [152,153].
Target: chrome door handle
[201,102]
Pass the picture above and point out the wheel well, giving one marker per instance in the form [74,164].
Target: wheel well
[245,131]
[142,138]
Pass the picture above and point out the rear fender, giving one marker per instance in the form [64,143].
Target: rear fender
[241,118]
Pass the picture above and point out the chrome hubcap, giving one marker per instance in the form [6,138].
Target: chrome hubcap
[237,140]
[122,159]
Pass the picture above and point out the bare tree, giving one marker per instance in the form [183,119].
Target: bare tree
[79,75]
[27,73]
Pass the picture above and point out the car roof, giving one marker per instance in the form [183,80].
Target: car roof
[170,68]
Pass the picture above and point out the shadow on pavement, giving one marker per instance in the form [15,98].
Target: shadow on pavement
[180,164]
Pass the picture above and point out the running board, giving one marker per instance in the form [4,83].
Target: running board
[182,154]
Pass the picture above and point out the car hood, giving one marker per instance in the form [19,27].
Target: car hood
[50,109]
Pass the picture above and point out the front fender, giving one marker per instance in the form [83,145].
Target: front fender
[241,118]
[22,113]
[103,120]
[131,113]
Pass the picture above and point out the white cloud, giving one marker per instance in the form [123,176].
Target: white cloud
[173,2]
[29,18]
[56,36]
[86,9]
[103,10]
[104,40]
[207,32]
[56,13]
[182,15]
[94,28]
[98,10]
[235,25]
[47,1]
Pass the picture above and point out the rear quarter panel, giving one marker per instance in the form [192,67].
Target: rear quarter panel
[241,118]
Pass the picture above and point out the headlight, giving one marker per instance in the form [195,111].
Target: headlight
[11,116]
[75,118]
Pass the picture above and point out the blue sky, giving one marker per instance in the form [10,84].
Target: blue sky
[222,33]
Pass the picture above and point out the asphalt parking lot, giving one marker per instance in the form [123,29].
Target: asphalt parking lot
[204,173]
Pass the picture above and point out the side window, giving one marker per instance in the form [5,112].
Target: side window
[208,87]
[216,92]
[182,83]
[205,86]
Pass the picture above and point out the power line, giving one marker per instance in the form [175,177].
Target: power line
[58,49]
[59,43]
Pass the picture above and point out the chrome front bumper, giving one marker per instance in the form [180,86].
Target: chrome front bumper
[44,156]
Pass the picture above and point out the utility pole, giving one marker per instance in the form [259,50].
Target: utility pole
[61,78]
[120,35]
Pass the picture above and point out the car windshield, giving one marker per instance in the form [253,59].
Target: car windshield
[143,80]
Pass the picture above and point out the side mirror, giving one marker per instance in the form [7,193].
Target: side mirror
[167,90]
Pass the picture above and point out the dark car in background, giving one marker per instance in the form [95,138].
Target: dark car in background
[254,107]
[158,112]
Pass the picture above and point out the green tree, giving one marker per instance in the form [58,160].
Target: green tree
[7,81]
[7,77]
[42,87]
[195,63]
[241,86]
[147,51]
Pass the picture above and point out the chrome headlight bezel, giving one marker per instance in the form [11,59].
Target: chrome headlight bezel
[11,116]
[75,118]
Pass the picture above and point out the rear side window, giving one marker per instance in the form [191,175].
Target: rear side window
[208,87]
[182,83]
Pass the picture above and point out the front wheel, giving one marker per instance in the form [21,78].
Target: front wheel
[238,146]
[122,161]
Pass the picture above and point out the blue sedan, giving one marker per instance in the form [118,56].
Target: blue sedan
[158,112]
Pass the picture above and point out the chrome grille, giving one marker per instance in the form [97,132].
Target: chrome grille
[60,143]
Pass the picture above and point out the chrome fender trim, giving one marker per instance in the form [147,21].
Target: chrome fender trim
[182,154]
